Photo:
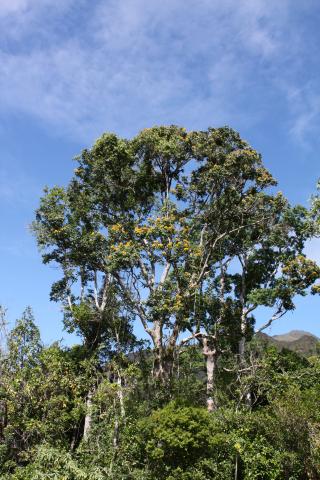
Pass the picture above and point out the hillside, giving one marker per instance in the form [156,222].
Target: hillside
[299,341]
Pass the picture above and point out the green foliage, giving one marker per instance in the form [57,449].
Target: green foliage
[136,435]
[181,231]
[177,441]
[24,342]
[51,463]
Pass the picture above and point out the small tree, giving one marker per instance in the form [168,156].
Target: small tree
[24,344]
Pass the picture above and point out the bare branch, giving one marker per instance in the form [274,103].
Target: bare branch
[106,285]
[145,274]
[278,314]
[203,231]
[70,303]
[95,292]
[191,337]
[165,273]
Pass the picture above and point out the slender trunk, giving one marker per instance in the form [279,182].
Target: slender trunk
[236,468]
[241,355]
[115,441]
[157,370]
[211,401]
[243,329]
[211,364]
[241,349]
[120,396]
[116,428]
[88,417]
[3,421]
[244,311]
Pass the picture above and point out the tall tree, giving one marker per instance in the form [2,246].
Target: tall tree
[148,220]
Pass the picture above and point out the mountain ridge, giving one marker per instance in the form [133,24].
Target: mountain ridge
[299,341]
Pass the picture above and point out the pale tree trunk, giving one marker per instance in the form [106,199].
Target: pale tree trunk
[243,326]
[242,341]
[121,396]
[241,356]
[156,334]
[211,367]
[211,364]
[88,417]
[116,428]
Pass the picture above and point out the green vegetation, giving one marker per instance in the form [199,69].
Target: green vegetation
[183,233]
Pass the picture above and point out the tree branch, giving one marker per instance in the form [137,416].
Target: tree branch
[278,314]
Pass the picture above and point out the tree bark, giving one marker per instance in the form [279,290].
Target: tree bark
[3,418]
[163,363]
[163,355]
[120,395]
[211,364]
[88,417]
[241,355]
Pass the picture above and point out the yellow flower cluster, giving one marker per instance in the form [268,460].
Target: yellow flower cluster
[122,246]
[183,244]
[178,302]
[117,228]
[186,245]
[58,230]
[141,230]
[169,228]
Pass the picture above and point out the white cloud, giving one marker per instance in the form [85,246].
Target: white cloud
[13,6]
[133,62]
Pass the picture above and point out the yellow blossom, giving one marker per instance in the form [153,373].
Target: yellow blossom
[116,228]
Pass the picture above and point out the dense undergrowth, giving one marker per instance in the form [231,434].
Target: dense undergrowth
[141,429]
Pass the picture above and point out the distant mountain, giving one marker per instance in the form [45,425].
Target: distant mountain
[293,336]
[299,341]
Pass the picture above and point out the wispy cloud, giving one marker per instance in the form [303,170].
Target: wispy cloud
[90,66]
[305,106]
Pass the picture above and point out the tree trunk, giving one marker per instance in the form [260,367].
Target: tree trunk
[88,417]
[242,342]
[120,395]
[241,349]
[3,418]
[211,364]
[211,367]
[158,369]
[241,356]
[163,363]
[236,468]
[163,356]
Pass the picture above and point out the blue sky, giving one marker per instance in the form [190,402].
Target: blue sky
[72,69]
